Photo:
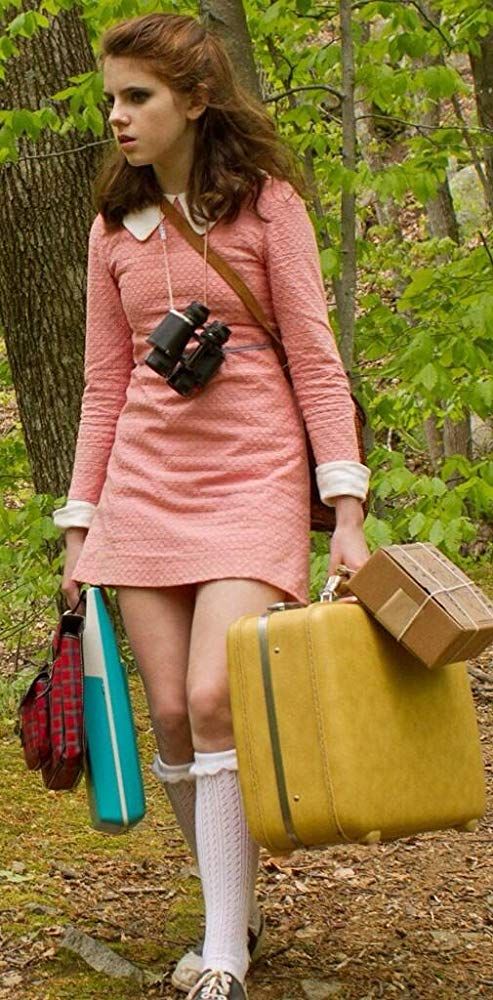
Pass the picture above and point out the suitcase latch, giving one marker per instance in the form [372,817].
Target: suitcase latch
[285,606]
[336,585]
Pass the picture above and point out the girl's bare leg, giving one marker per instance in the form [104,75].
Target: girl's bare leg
[218,604]
[228,857]
[158,624]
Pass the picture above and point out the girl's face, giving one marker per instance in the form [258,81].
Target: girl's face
[152,123]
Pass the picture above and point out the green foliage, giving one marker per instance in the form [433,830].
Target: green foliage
[29,561]
[423,508]
[319,562]
[425,308]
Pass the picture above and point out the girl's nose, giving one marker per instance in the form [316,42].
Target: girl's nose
[118,117]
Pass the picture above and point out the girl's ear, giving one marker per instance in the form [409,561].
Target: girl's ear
[198,101]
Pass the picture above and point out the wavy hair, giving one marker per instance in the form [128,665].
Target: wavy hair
[236,142]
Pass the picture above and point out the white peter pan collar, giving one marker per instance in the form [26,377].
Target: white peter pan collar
[143,222]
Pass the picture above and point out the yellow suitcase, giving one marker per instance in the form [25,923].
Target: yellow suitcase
[342,735]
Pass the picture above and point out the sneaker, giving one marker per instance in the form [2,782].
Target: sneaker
[215,984]
[189,968]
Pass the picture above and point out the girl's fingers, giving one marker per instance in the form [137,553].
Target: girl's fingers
[71,593]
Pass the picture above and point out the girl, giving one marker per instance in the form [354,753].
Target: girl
[196,508]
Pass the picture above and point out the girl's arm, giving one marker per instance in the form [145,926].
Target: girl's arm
[107,367]
[319,380]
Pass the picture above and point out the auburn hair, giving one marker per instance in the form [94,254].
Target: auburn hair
[236,141]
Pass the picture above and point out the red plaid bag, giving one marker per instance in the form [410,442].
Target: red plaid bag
[35,722]
[51,722]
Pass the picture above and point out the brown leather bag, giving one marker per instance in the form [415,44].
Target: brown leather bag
[322,517]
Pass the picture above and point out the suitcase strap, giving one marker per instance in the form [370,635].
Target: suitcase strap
[263,636]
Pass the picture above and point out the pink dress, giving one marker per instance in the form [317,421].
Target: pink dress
[213,486]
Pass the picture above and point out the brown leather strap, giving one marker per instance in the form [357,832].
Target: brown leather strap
[227,272]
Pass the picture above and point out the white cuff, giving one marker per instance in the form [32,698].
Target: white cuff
[344,478]
[75,514]
[212,763]
[171,773]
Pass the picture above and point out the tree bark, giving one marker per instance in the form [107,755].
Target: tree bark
[442,224]
[45,216]
[482,71]
[386,211]
[434,441]
[473,149]
[228,20]
[348,198]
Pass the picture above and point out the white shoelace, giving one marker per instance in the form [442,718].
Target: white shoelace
[216,987]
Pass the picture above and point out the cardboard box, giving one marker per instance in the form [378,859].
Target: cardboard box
[425,602]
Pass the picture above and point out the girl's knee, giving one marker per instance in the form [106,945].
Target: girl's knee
[172,730]
[210,714]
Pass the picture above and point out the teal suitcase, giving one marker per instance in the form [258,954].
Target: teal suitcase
[113,774]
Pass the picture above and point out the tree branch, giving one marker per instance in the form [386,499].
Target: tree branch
[429,20]
[412,3]
[432,128]
[485,244]
[296,90]
[61,152]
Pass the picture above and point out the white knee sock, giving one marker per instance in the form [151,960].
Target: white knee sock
[179,785]
[228,860]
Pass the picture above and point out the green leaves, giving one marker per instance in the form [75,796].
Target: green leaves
[21,122]
[438,81]
[422,507]
[422,280]
[329,260]
[27,23]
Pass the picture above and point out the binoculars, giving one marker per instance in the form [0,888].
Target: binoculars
[187,371]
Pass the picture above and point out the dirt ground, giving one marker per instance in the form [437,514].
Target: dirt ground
[411,919]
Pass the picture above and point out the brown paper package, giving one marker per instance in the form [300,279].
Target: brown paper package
[426,602]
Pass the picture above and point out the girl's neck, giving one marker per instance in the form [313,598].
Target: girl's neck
[173,176]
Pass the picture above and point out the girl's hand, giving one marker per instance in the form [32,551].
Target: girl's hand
[74,541]
[348,543]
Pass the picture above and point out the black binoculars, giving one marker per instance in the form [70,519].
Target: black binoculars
[187,371]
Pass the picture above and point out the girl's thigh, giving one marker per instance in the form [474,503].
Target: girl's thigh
[218,603]
[158,625]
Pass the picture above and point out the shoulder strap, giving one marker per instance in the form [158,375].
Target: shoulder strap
[227,272]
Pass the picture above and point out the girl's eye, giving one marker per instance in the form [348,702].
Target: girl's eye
[136,97]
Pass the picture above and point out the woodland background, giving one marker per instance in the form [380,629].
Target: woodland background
[389,107]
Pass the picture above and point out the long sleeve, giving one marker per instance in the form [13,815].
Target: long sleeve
[107,368]
[300,308]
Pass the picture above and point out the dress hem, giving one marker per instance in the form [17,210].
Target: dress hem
[116,580]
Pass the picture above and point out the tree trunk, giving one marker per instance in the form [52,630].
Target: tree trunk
[457,437]
[348,198]
[442,224]
[386,211]
[228,20]
[45,216]
[473,149]
[482,70]
[434,441]
[442,220]
[440,213]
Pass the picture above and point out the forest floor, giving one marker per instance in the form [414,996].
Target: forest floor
[411,919]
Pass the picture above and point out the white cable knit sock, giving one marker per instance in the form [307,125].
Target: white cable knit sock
[228,861]
[179,785]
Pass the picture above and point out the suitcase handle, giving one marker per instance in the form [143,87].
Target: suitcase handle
[337,584]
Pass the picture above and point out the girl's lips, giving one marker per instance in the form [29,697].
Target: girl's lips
[126,141]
